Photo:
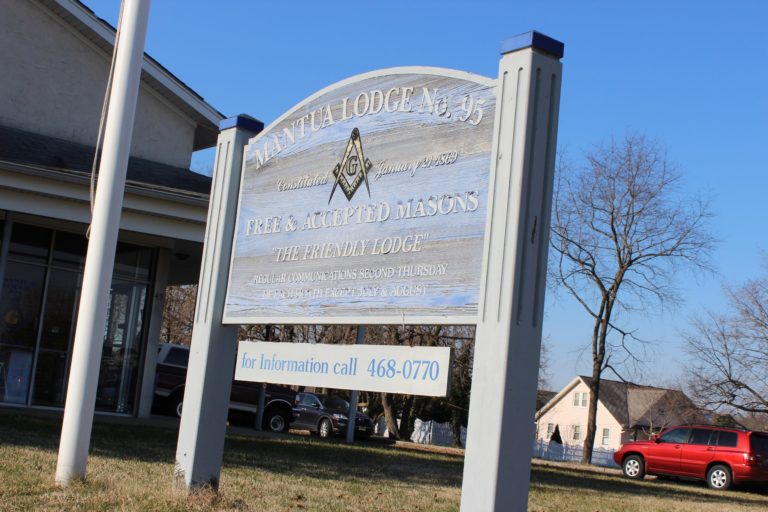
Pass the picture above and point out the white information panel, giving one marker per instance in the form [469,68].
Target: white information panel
[366,204]
[385,368]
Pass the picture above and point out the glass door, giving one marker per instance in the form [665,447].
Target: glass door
[122,347]
[19,315]
[59,317]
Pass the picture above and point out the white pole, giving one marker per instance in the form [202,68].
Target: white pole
[352,414]
[497,464]
[99,263]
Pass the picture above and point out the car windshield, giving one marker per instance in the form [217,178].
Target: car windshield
[334,402]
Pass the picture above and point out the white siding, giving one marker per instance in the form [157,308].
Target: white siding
[567,415]
[58,82]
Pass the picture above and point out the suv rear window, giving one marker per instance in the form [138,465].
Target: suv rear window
[758,443]
[728,439]
[703,436]
[177,356]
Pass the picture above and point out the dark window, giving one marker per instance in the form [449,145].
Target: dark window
[310,401]
[60,303]
[69,250]
[334,402]
[30,243]
[20,304]
[133,261]
[701,436]
[49,378]
[759,443]
[20,298]
[177,356]
[676,436]
[728,439]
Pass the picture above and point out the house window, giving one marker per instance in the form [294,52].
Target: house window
[550,429]
[580,399]
[576,432]
[606,436]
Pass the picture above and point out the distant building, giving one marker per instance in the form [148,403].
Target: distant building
[543,397]
[625,411]
[55,57]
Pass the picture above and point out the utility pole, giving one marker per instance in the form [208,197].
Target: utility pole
[100,259]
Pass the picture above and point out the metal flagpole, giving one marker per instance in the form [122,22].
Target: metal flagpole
[99,263]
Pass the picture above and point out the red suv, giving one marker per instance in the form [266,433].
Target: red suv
[721,456]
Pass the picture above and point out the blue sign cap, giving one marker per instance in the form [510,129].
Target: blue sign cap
[534,39]
[242,121]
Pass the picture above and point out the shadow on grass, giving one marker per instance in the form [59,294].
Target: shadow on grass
[579,480]
[333,460]
[289,455]
[150,444]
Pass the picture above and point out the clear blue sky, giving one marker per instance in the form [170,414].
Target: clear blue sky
[693,74]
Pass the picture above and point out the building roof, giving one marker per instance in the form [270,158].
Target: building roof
[635,405]
[543,397]
[51,154]
[102,34]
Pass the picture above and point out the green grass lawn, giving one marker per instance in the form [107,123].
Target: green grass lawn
[131,468]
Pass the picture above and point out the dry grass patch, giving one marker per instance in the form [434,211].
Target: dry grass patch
[573,487]
[131,468]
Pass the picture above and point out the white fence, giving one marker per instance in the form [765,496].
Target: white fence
[572,453]
[430,432]
[426,432]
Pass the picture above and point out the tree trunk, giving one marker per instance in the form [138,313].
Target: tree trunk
[456,427]
[406,429]
[389,415]
[599,334]
[594,393]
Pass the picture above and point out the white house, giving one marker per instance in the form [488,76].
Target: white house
[625,411]
[55,57]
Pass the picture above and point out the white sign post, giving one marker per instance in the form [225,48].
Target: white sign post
[401,196]
[508,337]
[211,359]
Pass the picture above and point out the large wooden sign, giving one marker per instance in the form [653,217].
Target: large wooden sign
[366,203]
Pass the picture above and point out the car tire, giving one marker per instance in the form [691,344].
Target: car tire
[633,467]
[324,428]
[276,421]
[719,477]
[176,404]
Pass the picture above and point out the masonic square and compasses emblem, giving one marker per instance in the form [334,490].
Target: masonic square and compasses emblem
[353,169]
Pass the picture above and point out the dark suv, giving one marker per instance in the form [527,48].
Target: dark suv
[721,456]
[327,415]
[171,375]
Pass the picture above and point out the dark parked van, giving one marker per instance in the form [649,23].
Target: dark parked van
[171,375]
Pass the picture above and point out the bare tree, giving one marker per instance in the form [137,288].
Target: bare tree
[178,314]
[544,364]
[401,411]
[731,352]
[620,230]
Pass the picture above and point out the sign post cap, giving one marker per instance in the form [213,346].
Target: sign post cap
[243,121]
[535,40]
